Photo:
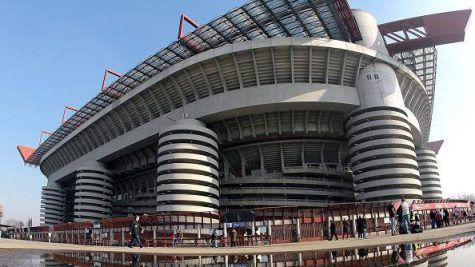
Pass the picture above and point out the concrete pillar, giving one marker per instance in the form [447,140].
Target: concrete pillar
[122,236]
[271,260]
[95,180]
[376,225]
[199,231]
[353,224]
[170,176]
[154,232]
[298,230]
[300,259]
[269,231]
[111,235]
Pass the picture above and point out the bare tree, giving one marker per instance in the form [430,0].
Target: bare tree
[464,196]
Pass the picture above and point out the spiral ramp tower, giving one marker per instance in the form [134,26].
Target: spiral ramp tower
[380,139]
[93,193]
[187,168]
[431,188]
[52,204]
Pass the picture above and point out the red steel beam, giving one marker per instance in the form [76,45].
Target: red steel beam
[64,112]
[184,18]
[43,132]
[425,31]
[350,23]
[104,87]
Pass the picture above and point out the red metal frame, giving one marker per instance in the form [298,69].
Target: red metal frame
[64,112]
[184,18]
[425,31]
[43,132]
[108,71]
[350,23]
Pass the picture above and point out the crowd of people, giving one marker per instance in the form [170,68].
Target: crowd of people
[403,216]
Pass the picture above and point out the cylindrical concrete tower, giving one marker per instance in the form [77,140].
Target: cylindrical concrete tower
[381,145]
[187,168]
[93,193]
[429,172]
[52,204]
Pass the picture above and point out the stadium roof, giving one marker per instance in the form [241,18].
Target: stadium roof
[257,19]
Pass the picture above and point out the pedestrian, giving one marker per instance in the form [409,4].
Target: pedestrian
[346,229]
[214,239]
[233,237]
[446,217]
[392,217]
[359,227]
[457,214]
[365,226]
[135,229]
[405,213]
[439,216]
[179,236]
[333,231]
[433,220]
[173,238]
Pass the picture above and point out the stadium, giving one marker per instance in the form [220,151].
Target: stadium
[273,104]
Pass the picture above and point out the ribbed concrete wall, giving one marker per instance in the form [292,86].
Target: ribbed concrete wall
[383,157]
[429,171]
[52,205]
[187,168]
[93,193]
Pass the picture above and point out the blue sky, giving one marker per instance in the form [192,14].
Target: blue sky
[53,53]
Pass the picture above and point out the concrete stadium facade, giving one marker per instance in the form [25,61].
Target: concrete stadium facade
[282,121]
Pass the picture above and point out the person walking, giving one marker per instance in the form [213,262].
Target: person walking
[457,214]
[446,217]
[439,217]
[392,217]
[135,228]
[405,212]
[233,237]
[346,229]
[359,227]
[333,231]
[214,239]
[433,220]
[179,237]
[173,238]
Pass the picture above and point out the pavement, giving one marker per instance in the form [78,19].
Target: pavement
[341,244]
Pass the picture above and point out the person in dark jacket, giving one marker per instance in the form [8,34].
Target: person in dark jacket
[134,231]
[446,217]
[433,220]
[346,229]
[359,227]
[333,231]
[214,239]
[392,217]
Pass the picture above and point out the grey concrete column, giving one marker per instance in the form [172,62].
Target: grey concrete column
[187,168]
[381,132]
[93,193]
[429,171]
[53,204]
[299,236]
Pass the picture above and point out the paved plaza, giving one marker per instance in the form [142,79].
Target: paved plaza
[290,247]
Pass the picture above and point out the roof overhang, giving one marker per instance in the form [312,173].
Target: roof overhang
[425,31]
[435,146]
[25,152]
